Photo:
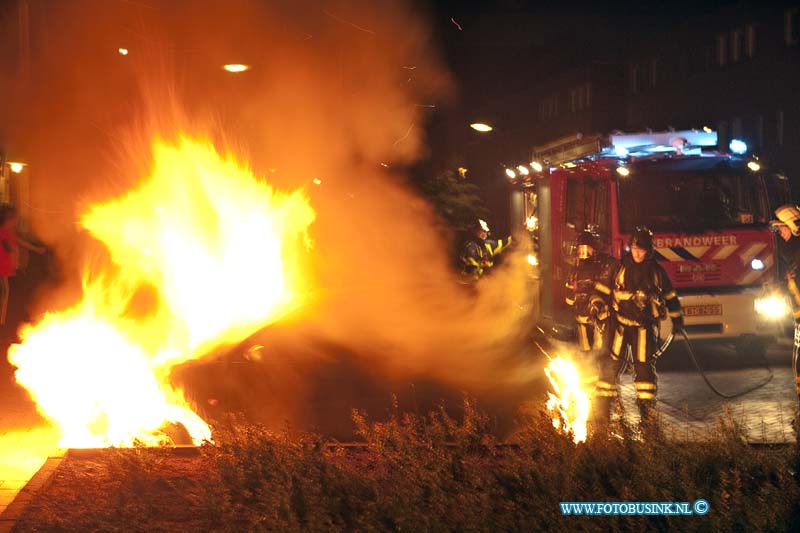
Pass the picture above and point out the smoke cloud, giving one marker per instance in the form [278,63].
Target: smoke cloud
[337,92]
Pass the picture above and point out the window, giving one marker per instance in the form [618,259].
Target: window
[653,72]
[736,128]
[686,199]
[759,129]
[722,49]
[736,46]
[722,133]
[548,107]
[578,98]
[530,207]
[577,204]
[750,40]
[587,207]
[778,190]
[791,21]
[602,210]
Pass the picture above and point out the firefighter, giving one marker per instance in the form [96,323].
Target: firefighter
[641,296]
[589,291]
[788,225]
[480,251]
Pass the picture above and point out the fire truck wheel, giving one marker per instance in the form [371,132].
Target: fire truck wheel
[751,349]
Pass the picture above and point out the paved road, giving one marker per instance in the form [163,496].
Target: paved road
[25,439]
[691,410]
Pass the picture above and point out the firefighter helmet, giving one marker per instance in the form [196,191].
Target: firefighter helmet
[588,238]
[789,215]
[586,244]
[642,238]
[482,225]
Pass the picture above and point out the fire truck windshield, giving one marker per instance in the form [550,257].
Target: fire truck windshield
[691,200]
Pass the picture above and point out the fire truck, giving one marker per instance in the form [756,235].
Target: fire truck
[709,211]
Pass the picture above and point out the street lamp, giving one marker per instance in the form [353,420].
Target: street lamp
[122,51]
[16,167]
[481,127]
[236,67]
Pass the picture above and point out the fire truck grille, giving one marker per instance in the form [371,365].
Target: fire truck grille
[698,277]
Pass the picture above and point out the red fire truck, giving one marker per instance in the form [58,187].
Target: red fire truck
[709,211]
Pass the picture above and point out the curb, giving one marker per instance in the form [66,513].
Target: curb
[96,453]
[35,484]
[17,507]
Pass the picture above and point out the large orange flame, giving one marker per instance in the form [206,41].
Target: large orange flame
[203,254]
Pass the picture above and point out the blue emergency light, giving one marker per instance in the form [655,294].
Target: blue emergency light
[659,142]
[738,146]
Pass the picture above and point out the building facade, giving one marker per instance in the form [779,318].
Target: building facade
[736,70]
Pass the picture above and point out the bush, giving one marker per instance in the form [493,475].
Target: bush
[436,472]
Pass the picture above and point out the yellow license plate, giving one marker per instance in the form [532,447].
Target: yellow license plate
[703,310]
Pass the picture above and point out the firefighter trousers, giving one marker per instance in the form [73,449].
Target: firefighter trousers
[591,335]
[642,343]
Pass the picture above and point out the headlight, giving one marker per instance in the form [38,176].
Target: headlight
[757,264]
[771,307]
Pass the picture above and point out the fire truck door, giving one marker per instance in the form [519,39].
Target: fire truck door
[601,214]
[574,218]
[586,206]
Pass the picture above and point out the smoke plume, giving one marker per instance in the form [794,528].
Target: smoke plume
[334,102]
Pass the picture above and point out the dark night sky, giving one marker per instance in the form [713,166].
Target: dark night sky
[503,45]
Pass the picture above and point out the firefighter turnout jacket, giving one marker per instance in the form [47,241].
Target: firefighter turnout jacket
[589,294]
[641,296]
[479,255]
[791,253]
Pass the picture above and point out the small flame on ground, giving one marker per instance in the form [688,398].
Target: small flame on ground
[203,254]
[569,405]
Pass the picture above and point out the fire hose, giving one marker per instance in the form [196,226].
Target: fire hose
[708,382]
[658,353]
[664,346]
